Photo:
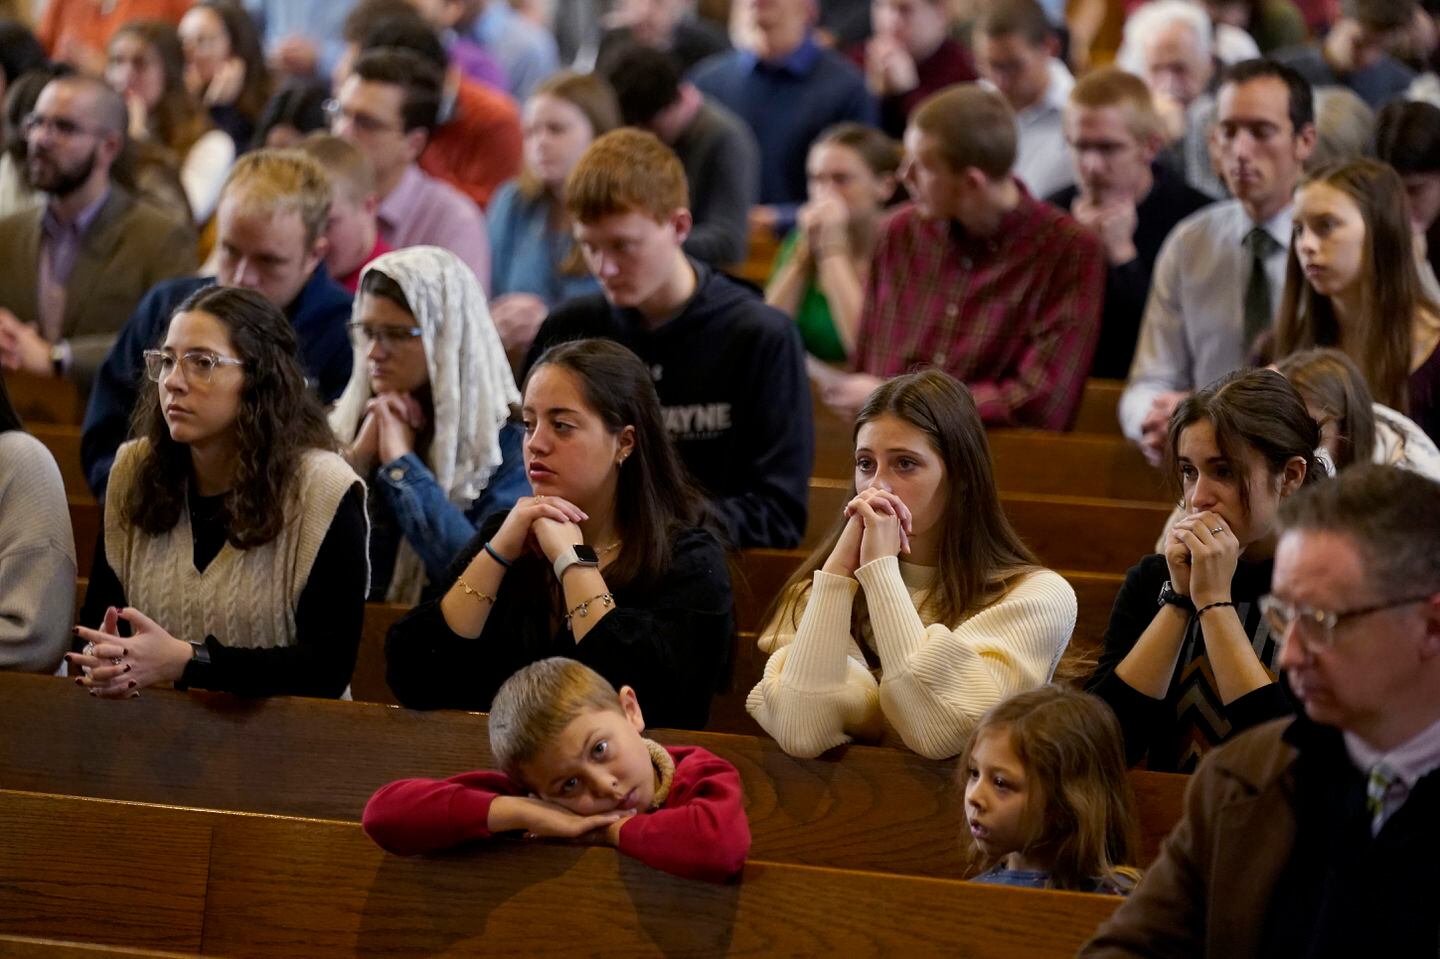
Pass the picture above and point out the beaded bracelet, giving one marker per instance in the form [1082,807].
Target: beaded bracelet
[1201,611]
[496,556]
[584,608]
[472,591]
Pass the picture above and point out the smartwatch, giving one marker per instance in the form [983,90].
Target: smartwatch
[199,658]
[1168,596]
[581,555]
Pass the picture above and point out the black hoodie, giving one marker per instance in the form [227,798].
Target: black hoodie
[730,373]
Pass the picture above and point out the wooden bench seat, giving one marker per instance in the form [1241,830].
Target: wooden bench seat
[44,399]
[235,884]
[858,807]
[29,947]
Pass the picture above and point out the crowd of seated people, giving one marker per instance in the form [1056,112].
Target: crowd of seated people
[535,321]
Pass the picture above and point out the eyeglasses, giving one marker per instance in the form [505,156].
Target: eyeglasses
[60,126]
[390,337]
[199,365]
[1316,627]
[363,122]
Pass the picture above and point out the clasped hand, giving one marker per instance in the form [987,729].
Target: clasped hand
[541,819]
[878,525]
[1201,560]
[547,524]
[118,667]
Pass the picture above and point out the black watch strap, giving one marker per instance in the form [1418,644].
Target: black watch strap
[1169,597]
[197,668]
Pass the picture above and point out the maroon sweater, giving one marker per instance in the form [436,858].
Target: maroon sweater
[699,833]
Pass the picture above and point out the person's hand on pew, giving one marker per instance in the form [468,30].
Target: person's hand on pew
[845,393]
[540,819]
[1156,425]
[119,667]
[22,347]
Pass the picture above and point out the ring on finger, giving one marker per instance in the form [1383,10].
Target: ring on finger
[1218,529]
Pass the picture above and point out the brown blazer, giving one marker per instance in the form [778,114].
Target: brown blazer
[1207,893]
[130,246]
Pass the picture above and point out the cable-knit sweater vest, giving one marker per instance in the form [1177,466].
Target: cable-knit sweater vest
[244,598]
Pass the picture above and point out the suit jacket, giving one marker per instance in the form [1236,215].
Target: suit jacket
[129,247]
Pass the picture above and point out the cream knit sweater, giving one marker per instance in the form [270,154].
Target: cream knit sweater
[935,680]
[37,557]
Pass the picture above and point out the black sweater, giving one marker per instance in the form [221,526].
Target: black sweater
[730,372]
[328,618]
[1173,733]
[670,642]
[1127,285]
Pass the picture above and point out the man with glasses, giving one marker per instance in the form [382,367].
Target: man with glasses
[1317,836]
[389,108]
[269,238]
[73,269]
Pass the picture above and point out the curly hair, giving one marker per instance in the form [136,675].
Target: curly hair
[280,418]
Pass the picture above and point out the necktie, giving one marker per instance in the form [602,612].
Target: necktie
[1384,792]
[1257,290]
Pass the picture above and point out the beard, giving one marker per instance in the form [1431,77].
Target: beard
[45,174]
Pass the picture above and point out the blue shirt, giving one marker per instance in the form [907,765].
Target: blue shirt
[787,103]
[526,256]
[525,51]
[318,313]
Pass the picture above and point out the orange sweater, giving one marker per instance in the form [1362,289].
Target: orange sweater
[479,148]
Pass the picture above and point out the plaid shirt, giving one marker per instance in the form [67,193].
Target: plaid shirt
[1014,316]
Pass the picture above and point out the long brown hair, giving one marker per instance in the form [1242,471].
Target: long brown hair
[178,120]
[1256,410]
[1330,380]
[586,92]
[245,44]
[980,552]
[1079,800]
[1391,293]
[280,418]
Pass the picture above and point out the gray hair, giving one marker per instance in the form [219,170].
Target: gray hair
[1344,128]
[1392,515]
[1155,16]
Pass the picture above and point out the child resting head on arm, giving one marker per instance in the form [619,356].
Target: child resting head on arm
[574,763]
[1048,802]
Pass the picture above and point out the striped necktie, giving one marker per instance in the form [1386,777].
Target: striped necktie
[1385,791]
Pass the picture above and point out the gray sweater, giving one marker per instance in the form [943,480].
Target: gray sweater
[37,557]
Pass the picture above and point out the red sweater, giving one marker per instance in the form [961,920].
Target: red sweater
[699,833]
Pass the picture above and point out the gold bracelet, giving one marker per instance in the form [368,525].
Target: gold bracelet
[583,609]
[472,591]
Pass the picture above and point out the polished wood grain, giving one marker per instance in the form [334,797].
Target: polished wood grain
[281,887]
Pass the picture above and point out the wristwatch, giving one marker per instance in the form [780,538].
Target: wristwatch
[59,358]
[1168,595]
[199,658]
[580,555]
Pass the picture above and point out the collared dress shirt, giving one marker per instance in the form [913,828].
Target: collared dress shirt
[422,210]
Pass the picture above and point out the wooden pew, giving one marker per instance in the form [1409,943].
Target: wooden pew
[273,888]
[44,399]
[29,947]
[63,442]
[760,259]
[1099,407]
[1066,532]
[858,807]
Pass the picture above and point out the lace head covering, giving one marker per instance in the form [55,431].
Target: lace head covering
[471,385]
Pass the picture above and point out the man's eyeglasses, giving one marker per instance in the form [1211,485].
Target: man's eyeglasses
[60,126]
[364,335]
[363,122]
[1316,627]
[199,365]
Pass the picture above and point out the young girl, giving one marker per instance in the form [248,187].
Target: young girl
[1352,283]
[529,232]
[820,272]
[954,614]
[1048,803]
[425,416]
[1188,659]
[234,540]
[147,66]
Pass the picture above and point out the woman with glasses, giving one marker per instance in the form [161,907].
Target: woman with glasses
[426,416]
[233,547]
[1189,659]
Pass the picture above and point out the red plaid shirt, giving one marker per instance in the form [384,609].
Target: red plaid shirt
[1015,317]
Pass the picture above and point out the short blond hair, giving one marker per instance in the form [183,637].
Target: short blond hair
[1113,87]
[345,164]
[534,706]
[267,182]
[626,170]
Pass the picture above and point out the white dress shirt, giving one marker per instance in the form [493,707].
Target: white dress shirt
[1042,159]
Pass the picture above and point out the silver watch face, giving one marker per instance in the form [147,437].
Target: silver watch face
[585,554]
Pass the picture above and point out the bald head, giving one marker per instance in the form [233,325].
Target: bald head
[102,108]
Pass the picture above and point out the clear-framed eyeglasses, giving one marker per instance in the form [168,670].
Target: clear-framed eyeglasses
[199,366]
[1315,628]
[364,335]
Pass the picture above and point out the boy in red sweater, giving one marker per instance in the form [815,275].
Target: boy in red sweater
[574,764]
